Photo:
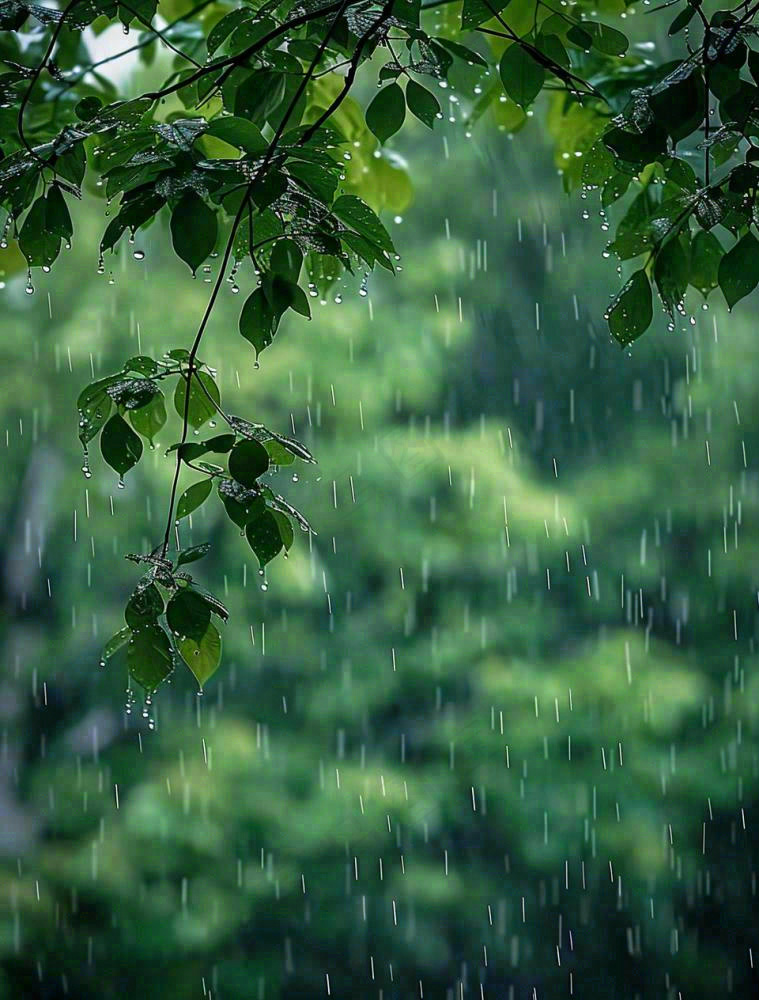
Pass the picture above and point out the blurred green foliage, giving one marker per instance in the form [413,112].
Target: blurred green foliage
[493,726]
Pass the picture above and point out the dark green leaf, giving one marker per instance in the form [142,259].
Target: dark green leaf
[357,214]
[94,405]
[287,259]
[116,642]
[682,20]
[149,658]
[188,614]
[422,104]
[738,272]
[264,537]
[605,39]
[193,229]
[144,606]
[192,554]
[247,461]
[119,445]
[521,75]
[149,420]
[258,321]
[258,95]
[631,312]
[193,497]
[705,256]
[386,113]
[671,272]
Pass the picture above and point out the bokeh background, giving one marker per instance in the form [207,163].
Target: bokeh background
[492,731]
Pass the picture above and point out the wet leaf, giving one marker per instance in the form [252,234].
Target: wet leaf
[119,445]
[192,554]
[522,76]
[264,537]
[203,395]
[247,461]
[422,103]
[144,606]
[203,655]
[193,229]
[631,312]
[738,271]
[149,657]
[188,614]
[386,112]
[193,497]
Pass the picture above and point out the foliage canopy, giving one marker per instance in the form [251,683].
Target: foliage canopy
[255,150]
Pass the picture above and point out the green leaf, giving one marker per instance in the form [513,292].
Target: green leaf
[201,408]
[142,364]
[144,606]
[258,321]
[202,656]
[149,657]
[605,39]
[132,393]
[422,104]
[258,95]
[38,243]
[193,229]
[149,420]
[286,532]
[671,272]
[193,497]
[94,405]
[738,272]
[278,455]
[287,259]
[57,218]
[247,461]
[476,12]
[241,505]
[597,165]
[705,256]
[387,112]
[682,20]
[88,108]
[522,76]
[631,312]
[238,132]
[115,643]
[264,537]
[357,214]
[119,445]
[188,614]
[193,553]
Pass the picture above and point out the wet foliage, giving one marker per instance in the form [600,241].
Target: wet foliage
[244,147]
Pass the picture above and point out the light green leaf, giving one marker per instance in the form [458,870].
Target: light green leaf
[203,394]
[203,655]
